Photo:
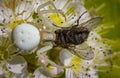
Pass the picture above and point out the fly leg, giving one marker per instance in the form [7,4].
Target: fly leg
[79,19]
[62,38]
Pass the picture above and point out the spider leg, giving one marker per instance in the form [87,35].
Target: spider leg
[47,35]
[56,25]
[46,4]
[41,12]
[54,64]
[49,11]
[44,49]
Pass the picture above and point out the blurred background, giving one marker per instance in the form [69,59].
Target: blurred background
[110,11]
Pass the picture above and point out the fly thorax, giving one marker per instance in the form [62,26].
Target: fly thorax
[83,35]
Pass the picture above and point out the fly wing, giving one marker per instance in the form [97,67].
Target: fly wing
[83,51]
[91,23]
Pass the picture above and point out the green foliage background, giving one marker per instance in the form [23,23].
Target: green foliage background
[110,10]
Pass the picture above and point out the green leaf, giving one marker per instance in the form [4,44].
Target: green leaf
[114,73]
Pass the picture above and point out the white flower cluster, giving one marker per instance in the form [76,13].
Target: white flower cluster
[43,60]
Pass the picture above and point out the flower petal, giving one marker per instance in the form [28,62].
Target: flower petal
[22,75]
[72,12]
[23,10]
[17,64]
[5,14]
[60,4]
[41,73]
[69,73]
[2,72]
[65,57]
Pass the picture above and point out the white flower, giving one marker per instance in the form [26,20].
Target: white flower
[4,31]
[42,73]
[13,13]
[86,68]
[60,12]
[69,12]
[24,74]
[16,65]
[10,63]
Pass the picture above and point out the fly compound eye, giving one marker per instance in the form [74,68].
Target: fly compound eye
[57,31]
[25,36]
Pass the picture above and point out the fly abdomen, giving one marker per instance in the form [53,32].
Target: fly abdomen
[75,36]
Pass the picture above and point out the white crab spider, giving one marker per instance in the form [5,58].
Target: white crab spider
[69,37]
[47,34]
